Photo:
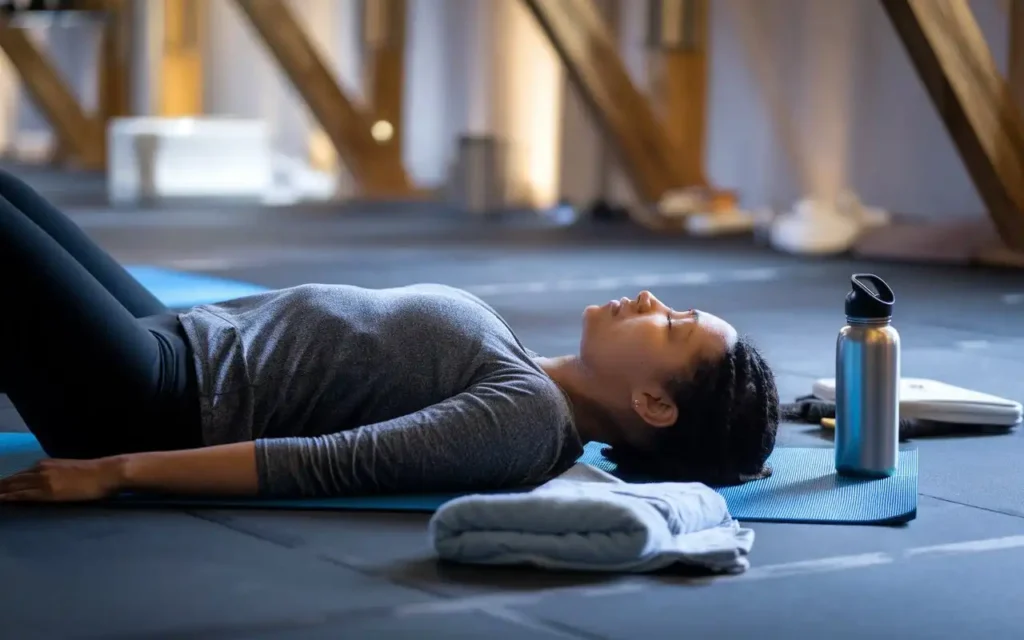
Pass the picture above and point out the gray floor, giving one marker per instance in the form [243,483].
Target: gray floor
[92,573]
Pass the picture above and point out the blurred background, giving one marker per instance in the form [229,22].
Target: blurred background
[693,116]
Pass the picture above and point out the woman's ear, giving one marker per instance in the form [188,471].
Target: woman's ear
[655,407]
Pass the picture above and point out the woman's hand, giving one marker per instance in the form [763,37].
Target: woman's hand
[228,469]
[54,480]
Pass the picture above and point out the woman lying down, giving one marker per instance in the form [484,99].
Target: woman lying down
[327,390]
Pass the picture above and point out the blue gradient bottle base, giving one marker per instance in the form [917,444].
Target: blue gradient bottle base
[853,472]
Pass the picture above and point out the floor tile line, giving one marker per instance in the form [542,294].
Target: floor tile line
[1004,512]
[412,585]
[795,569]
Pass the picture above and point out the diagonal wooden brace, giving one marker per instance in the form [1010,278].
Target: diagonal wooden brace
[379,172]
[384,35]
[79,134]
[590,54]
[955,65]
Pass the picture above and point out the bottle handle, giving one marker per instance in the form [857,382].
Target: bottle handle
[874,286]
[869,297]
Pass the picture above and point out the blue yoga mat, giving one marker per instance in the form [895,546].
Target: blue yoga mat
[181,290]
[803,489]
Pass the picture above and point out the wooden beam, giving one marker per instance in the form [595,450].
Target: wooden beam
[384,28]
[579,35]
[612,12]
[379,173]
[677,63]
[956,67]
[1015,66]
[181,58]
[115,61]
[77,133]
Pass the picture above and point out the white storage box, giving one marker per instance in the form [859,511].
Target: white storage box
[152,158]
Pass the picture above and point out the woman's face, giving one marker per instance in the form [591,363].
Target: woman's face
[642,342]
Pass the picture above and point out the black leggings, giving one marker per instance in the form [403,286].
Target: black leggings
[92,361]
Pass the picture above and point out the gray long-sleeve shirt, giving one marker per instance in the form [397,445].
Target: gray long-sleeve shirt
[348,391]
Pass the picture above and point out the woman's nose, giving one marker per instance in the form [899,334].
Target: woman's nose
[644,301]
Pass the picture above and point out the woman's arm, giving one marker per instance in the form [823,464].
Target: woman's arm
[510,429]
[226,470]
[499,432]
[223,470]
[506,431]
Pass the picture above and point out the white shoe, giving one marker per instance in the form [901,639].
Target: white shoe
[868,217]
[815,228]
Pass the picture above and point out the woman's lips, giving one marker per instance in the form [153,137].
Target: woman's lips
[615,306]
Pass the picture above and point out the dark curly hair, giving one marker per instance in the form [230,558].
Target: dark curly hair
[728,419]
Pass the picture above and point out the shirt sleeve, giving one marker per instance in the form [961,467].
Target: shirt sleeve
[507,430]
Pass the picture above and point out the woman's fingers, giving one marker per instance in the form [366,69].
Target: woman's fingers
[16,479]
[23,495]
[19,481]
[25,486]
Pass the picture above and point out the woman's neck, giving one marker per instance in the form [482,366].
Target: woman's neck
[593,420]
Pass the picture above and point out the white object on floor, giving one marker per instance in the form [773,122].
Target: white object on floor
[153,158]
[815,228]
[923,399]
[867,217]
[34,147]
[681,202]
[588,520]
[694,207]
[296,181]
[715,224]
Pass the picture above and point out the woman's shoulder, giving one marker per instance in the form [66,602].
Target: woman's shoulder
[550,416]
[540,397]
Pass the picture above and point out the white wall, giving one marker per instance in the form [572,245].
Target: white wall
[773,133]
[792,112]
[446,82]
[241,78]
[147,22]
[893,150]
[528,93]
[500,79]
[428,142]
[902,157]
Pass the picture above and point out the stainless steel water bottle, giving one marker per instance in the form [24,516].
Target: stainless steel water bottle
[868,382]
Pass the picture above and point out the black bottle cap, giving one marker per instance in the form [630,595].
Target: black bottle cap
[870,299]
